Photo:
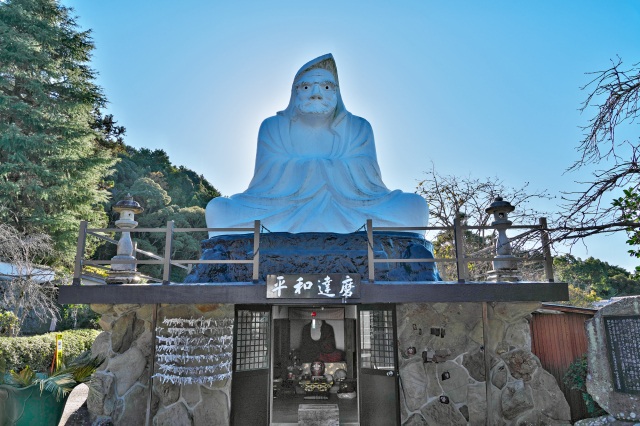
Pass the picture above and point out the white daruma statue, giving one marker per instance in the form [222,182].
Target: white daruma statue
[316,168]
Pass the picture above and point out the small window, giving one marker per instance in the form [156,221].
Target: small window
[252,340]
[376,342]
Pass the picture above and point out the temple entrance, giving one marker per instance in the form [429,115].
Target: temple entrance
[314,364]
[251,365]
[327,363]
[357,348]
[378,381]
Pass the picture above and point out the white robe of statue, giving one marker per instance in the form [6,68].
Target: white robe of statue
[316,169]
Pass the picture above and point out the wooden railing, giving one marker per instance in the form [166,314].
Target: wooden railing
[461,259]
[166,261]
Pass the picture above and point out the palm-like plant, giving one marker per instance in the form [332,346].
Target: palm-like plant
[63,380]
[25,377]
[58,384]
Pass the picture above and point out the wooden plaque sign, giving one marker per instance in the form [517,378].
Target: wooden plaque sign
[313,286]
[623,347]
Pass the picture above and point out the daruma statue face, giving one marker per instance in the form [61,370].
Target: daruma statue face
[316,92]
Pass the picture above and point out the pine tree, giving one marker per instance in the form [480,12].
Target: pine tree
[51,164]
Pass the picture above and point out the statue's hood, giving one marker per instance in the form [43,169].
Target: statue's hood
[325,62]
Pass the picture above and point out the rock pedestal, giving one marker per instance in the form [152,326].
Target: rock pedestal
[315,252]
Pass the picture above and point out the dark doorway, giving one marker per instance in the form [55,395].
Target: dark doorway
[251,365]
[378,366]
[302,335]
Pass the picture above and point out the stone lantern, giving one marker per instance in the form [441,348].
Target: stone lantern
[505,267]
[125,273]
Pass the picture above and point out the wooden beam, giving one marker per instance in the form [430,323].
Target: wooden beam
[248,293]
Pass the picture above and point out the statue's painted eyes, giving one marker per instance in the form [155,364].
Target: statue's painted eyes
[325,86]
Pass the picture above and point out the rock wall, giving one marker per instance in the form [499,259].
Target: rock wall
[444,382]
[442,369]
[120,389]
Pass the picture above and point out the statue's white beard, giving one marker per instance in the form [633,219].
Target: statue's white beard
[323,107]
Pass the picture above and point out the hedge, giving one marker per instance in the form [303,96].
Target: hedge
[37,351]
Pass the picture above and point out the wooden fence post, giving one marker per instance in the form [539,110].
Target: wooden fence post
[461,261]
[546,250]
[82,241]
[256,251]
[166,278]
[371,263]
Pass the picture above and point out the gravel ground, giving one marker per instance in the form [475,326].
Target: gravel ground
[75,411]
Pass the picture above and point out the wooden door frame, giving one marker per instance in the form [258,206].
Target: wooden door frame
[249,373]
[396,367]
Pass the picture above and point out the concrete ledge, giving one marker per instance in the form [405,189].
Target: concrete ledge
[247,293]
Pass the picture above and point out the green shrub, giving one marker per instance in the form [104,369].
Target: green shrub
[37,351]
[9,324]
[576,378]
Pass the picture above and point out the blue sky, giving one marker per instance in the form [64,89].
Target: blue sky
[481,89]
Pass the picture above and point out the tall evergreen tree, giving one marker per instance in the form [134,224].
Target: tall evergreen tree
[51,164]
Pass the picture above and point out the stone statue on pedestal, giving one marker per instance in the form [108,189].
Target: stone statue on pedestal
[316,168]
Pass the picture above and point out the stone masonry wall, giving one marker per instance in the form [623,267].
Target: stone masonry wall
[450,388]
[119,391]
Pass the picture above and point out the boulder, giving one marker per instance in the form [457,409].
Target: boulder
[522,364]
[515,399]
[102,345]
[101,398]
[129,410]
[415,420]
[549,399]
[174,415]
[437,413]
[127,369]
[167,393]
[190,394]
[124,331]
[456,385]
[213,410]
[414,384]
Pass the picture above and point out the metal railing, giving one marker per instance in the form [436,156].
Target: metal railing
[461,258]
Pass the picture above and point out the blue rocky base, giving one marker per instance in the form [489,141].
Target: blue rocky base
[316,253]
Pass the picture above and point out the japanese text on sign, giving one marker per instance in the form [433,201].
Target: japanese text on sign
[623,346]
[313,286]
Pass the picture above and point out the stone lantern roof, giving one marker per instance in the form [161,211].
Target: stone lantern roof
[500,206]
[128,203]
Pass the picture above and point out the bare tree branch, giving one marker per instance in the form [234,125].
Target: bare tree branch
[615,93]
[621,91]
